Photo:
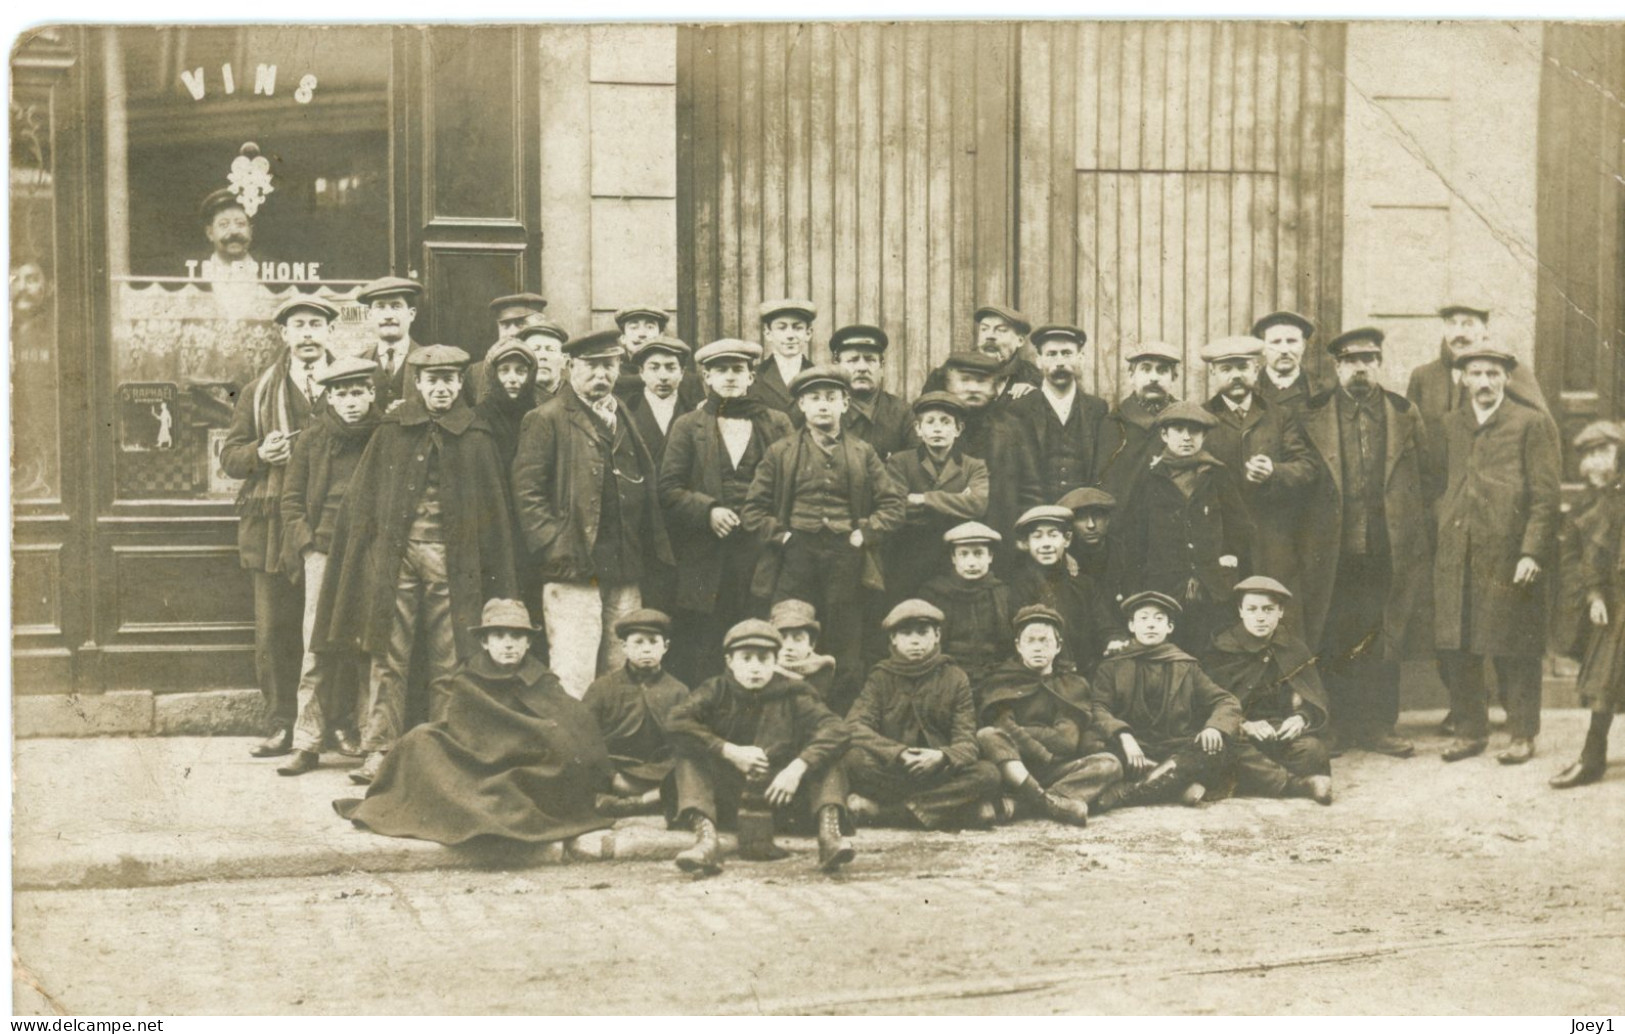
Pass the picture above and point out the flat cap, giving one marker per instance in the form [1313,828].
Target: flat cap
[1284,316]
[1059,332]
[971,361]
[523,300]
[214,201]
[729,348]
[859,335]
[1044,515]
[1168,604]
[652,312]
[1239,347]
[752,632]
[1152,350]
[644,620]
[820,376]
[1596,433]
[305,301]
[1267,586]
[669,345]
[910,611]
[969,533]
[388,286]
[350,368]
[1014,317]
[544,326]
[944,400]
[508,615]
[1473,308]
[1185,413]
[1356,341]
[790,614]
[1038,612]
[430,356]
[1484,350]
[796,306]
[595,345]
[1087,499]
[514,349]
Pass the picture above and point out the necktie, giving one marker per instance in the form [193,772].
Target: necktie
[389,360]
[311,390]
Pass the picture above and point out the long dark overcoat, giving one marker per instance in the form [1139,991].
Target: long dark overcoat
[1164,538]
[1161,696]
[1276,506]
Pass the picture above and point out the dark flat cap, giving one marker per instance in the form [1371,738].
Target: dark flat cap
[523,300]
[1356,341]
[545,326]
[1484,351]
[644,620]
[1185,413]
[669,345]
[1168,604]
[1284,316]
[350,368]
[820,376]
[1038,612]
[910,611]
[595,345]
[386,286]
[515,349]
[1087,499]
[652,312]
[432,356]
[943,400]
[858,335]
[1059,331]
[1014,317]
[971,361]
[752,632]
[308,302]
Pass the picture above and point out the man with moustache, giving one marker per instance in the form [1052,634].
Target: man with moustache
[787,334]
[1498,521]
[874,414]
[392,306]
[1065,422]
[1265,447]
[1364,543]
[545,340]
[512,312]
[231,234]
[1129,440]
[1000,333]
[271,410]
[1283,381]
[999,439]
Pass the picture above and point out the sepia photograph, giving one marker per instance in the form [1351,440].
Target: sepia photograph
[935,516]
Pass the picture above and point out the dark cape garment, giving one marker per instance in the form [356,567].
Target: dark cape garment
[515,757]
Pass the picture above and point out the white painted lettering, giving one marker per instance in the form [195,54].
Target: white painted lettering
[230,80]
[191,268]
[298,271]
[315,270]
[307,89]
[194,82]
[265,79]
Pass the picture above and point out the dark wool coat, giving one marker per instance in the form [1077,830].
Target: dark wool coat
[1292,397]
[515,757]
[976,632]
[1501,502]
[915,552]
[785,718]
[1016,370]
[1161,696]
[1602,534]
[916,705]
[1274,676]
[633,713]
[1570,626]
[1408,485]
[357,604]
[1053,715]
[1276,506]
[558,489]
[690,487]
[649,428]
[771,388]
[268,402]
[1001,440]
[889,427]
[874,499]
[1126,448]
[1165,539]
[324,458]
[1086,425]
[1088,609]
[1435,392]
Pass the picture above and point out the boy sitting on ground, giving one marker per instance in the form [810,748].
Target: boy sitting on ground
[975,604]
[632,706]
[1172,725]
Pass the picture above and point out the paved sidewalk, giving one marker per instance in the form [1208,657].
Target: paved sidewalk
[153,811]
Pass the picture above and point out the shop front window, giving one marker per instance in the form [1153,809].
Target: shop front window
[36,472]
[245,165]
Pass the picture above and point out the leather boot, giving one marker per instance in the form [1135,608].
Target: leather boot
[756,837]
[369,769]
[1581,773]
[1066,810]
[701,859]
[1159,782]
[1520,750]
[1460,750]
[348,743]
[1593,760]
[276,745]
[298,763]
[834,850]
[1317,788]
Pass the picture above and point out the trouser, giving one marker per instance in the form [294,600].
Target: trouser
[696,649]
[1079,779]
[946,798]
[278,647]
[1363,686]
[1192,765]
[822,568]
[327,682]
[711,786]
[580,619]
[1519,680]
[1265,769]
[422,608]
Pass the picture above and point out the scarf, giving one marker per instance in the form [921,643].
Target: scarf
[808,666]
[1184,470]
[503,413]
[639,677]
[914,669]
[261,497]
[1163,651]
[746,408]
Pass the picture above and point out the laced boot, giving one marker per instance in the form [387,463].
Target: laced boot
[834,849]
[701,859]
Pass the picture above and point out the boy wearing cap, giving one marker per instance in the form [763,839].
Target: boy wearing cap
[1091,521]
[1272,673]
[1596,453]
[914,732]
[632,706]
[324,459]
[822,502]
[1185,531]
[705,478]
[787,333]
[1171,724]
[1131,440]
[1283,380]
[660,362]
[751,741]
[514,757]
[875,414]
[425,535]
[1066,422]
[942,488]
[975,604]
[271,411]
[1038,725]
[1043,575]
[797,622]
[996,437]
[392,307]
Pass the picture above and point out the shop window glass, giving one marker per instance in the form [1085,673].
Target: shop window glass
[36,472]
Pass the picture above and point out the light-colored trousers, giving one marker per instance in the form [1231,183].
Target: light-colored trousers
[422,608]
[580,621]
